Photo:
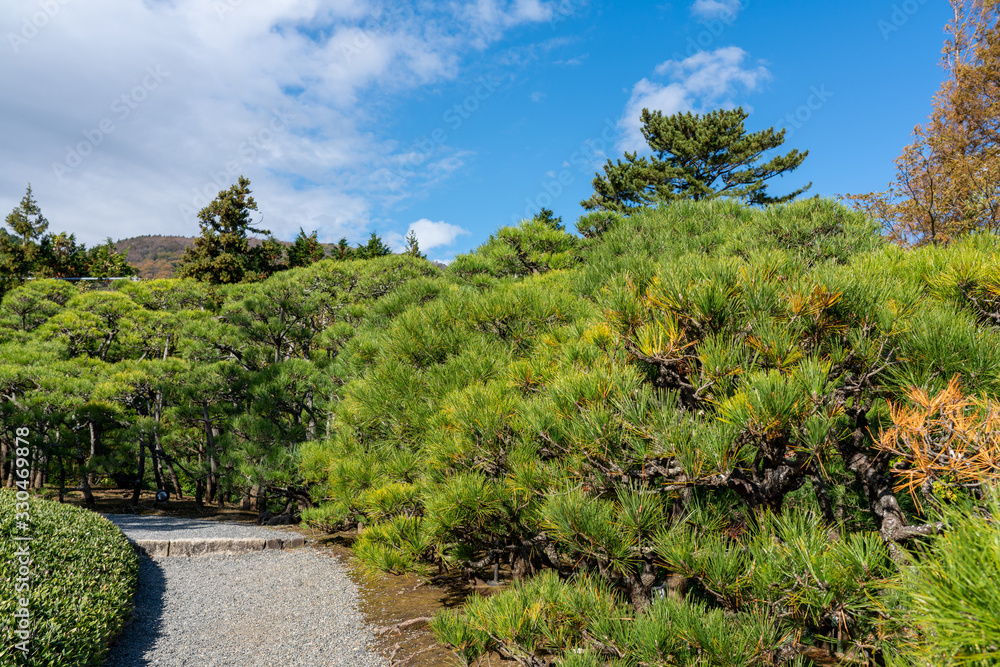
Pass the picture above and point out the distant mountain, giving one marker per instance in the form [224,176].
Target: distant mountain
[156,256]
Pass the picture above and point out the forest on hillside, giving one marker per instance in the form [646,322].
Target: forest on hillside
[154,256]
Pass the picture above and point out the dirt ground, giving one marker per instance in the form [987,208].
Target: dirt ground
[386,600]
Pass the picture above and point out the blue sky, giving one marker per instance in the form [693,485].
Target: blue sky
[451,119]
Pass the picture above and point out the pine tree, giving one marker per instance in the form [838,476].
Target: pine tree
[413,246]
[305,250]
[104,261]
[695,157]
[265,260]
[547,217]
[60,256]
[19,254]
[27,220]
[222,255]
[343,250]
[374,248]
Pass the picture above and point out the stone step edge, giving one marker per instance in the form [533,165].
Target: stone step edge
[218,546]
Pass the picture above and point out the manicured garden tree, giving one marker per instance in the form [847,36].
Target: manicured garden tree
[952,601]
[32,304]
[531,248]
[204,397]
[286,404]
[24,370]
[101,325]
[714,435]
[281,336]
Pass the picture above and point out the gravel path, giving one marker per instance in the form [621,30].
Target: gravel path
[173,528]
[296,608]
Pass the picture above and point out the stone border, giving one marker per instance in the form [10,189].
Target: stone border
[213,546]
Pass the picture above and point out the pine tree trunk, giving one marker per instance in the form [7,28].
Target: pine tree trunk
[140,472]
[199,485]
[157,467]
[3,461]
[172,474]
[39,473]
[88,497]
[62,480]
[96,449]
[640,585]
[210,450]
[154,445]
[213,478]
[311,423]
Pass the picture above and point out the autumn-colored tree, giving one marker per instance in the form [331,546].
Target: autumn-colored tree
[947,179]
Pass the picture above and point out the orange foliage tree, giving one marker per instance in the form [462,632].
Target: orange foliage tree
[948,180]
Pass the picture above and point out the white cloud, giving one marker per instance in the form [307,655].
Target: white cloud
[485,15]
[716,9]
[138,151]
[537,96]
[432,235]
[706,79]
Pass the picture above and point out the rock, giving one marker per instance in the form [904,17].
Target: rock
[273,543]
[293,543]
[236,545]
[280,520]
[264,517]
[153,548]
[187,547]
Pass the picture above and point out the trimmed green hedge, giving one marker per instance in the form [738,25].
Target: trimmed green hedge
[83,573]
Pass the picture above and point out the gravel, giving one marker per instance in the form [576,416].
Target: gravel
[173,528]
[296,608]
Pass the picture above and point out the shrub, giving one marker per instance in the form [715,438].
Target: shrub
[955,603]
[83,573]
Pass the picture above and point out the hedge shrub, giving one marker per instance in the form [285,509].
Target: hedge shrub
[83,573]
